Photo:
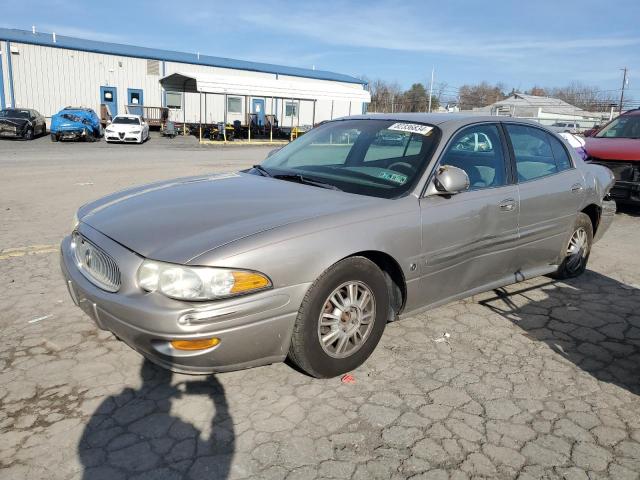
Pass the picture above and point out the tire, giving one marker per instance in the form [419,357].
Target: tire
[28,135]
[90,137]
[306,350]
[54,137]
[574,264]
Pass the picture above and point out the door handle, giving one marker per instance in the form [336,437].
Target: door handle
[507,205]
[576,187]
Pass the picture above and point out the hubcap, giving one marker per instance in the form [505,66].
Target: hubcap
[577,249]
[346,319]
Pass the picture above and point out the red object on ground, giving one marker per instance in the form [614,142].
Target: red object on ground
[348,378]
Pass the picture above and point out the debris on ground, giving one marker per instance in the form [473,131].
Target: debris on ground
[443,339]
[44,317]
[348,378]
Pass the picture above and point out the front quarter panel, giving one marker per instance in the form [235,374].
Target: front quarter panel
[300,252]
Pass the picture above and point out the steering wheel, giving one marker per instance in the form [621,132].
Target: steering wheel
[405,167]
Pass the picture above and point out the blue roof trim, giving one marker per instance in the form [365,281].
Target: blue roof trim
[46,39]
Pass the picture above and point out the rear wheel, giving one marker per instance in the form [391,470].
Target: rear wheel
[341,319]
[576,253]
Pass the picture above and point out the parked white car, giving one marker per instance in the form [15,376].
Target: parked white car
[127,129]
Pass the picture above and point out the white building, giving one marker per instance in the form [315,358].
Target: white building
[546,110]
[48,72]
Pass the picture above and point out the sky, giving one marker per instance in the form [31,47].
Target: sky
[519,43]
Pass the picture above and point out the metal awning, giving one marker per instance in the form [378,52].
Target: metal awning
[264,87]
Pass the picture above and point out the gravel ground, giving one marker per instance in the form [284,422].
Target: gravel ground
[537,380]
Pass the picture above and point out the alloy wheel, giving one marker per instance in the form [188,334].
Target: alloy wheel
[346,319]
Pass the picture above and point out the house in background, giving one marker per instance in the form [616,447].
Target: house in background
[546,110]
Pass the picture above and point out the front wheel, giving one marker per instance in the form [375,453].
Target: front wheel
[28,135]
[341,319]
[576,252]
[54,137]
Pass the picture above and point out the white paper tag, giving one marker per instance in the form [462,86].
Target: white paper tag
[411,127]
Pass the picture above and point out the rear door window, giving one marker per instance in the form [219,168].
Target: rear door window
[533,153]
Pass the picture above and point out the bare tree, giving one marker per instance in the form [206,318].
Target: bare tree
[480,95]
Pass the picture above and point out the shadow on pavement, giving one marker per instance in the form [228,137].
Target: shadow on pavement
[592,321]
[134,432]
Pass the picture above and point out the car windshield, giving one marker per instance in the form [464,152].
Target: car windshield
[625,126]
[381,158]
[13,113]
[127,120]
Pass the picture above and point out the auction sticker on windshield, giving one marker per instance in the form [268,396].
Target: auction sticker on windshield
[411,127]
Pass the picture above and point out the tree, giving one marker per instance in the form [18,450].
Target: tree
[480,95]
[584,96]
[415,99]
[537,91]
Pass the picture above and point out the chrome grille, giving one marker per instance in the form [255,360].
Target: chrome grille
[99,268]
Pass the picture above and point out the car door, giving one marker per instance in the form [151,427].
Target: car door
[467,237]
[551,191]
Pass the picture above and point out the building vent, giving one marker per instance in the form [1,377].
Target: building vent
[153,67]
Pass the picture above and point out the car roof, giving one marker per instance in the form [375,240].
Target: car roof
[632,112]
[127,115]
[439,119]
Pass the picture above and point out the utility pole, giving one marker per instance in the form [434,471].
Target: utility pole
[431,88]
[624,84]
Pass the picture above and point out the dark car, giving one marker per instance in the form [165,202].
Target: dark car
[76,123]
[21,123]
[617,147]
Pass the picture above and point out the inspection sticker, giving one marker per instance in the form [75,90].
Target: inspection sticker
[412,128]
[393,177]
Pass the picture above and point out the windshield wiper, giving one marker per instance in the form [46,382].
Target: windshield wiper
[296,177]
[263,171]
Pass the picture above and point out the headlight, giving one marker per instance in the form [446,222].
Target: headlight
[75,221]
[109,130]
[135,131]
[198,283]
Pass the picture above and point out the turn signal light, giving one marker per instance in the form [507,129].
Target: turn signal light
[195,344]
[248,281]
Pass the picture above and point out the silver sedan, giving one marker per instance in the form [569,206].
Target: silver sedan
[311,253]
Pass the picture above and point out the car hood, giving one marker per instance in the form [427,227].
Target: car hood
[178,220]
[15,122]
[122,127]
[613,148]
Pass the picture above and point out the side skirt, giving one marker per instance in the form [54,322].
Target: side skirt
[503,282]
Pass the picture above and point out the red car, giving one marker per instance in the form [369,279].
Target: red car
[617,147]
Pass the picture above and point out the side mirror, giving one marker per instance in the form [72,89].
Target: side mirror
[448,181]
[271,152]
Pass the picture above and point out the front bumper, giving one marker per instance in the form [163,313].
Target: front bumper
[78,134]
[254,330]
[11,132]
[123,138]
[627,175]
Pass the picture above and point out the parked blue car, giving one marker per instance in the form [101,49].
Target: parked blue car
[73,123]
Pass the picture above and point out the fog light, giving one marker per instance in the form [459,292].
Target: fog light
[195,344]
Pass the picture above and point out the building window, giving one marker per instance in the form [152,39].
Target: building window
[234,104]
[291,109]
[174,100]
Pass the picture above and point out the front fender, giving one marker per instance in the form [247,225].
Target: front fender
[299,253]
